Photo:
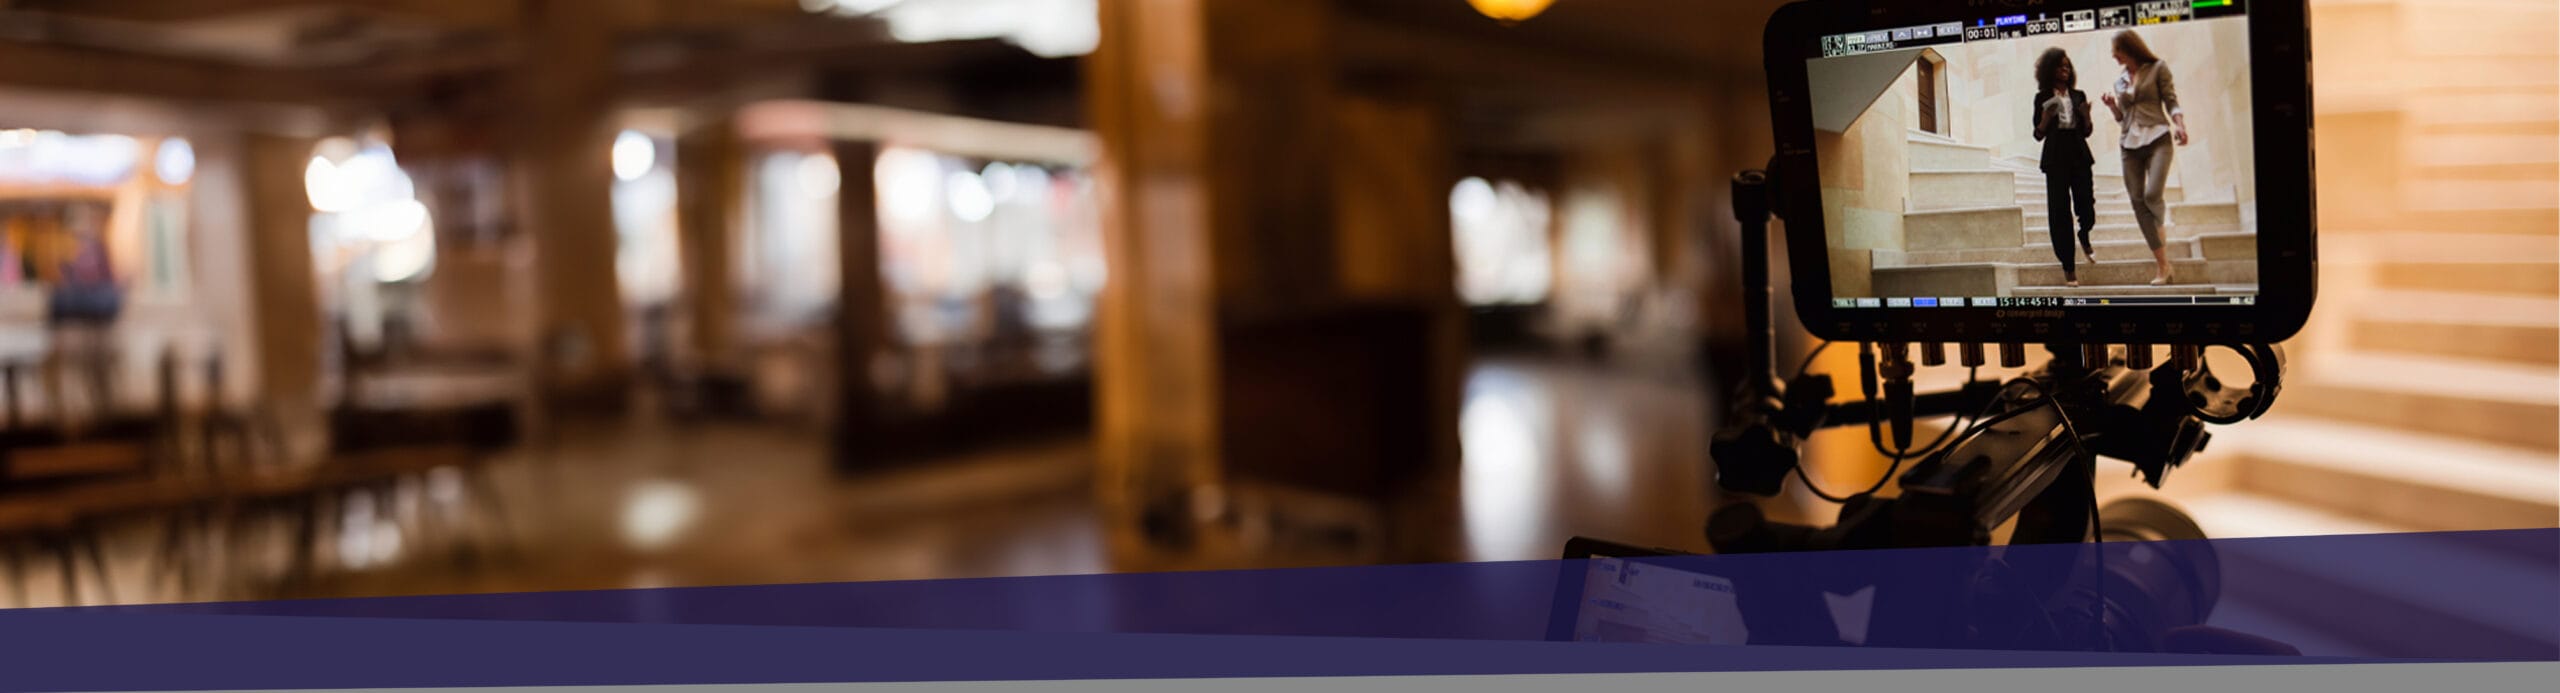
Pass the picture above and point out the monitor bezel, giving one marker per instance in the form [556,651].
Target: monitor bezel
[2280,55]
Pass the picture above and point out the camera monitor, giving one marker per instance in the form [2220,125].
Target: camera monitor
[2108,171]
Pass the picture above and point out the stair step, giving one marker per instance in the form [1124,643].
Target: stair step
[2033,253]
[1963,229]
[2302,583]
[2243,515]
[2512,329]
[2481,29]
[2501,403]
[2455,307]
[2106,184]
[2407,480]
[2035,194]
[1961,280]
[2116,204]
[2512,220]
[2037,218]
[2530,278]
[2450,247]
[2504,157]
[2123,248]
[2479,71]
[2086,290]
[2524,111]
[2486,149]
[1935,153]
[2229,245]
[2479,193]
[1958,189]
[2104,192]
[2489,126]
[2460,262]
[2121,272]
[2105,235]
[2546,173]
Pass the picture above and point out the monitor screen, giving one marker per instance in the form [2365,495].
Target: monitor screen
[2090,154]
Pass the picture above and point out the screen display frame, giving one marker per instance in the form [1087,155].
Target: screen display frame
[2280,60]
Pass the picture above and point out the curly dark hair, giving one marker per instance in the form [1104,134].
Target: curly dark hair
[2049,71]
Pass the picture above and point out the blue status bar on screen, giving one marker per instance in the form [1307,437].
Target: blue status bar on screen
[2042,301]
[2102,18]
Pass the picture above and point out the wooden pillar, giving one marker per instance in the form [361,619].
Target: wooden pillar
[1156,366]
[861,306]
[564,180]
[1281,308]
[1393,170]
[281,284]
[710,193]
[1394,165]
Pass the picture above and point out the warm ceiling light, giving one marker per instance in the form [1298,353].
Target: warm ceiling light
[1511,11]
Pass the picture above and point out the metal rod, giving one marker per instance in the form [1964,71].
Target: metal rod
[1751,207]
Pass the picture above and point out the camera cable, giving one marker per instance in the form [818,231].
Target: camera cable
[1875,430]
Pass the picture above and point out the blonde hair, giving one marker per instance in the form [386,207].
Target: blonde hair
[2132,46]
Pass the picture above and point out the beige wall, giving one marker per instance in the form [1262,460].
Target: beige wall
[1866,176]
[1988,86]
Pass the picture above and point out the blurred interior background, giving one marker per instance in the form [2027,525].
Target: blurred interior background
[332,298]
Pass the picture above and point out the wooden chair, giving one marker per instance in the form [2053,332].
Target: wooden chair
[43,472]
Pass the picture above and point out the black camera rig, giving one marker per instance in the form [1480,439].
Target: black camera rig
[2024,451]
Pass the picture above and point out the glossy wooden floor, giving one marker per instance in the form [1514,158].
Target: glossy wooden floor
[1554,450]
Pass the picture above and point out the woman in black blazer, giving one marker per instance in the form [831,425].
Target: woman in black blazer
[2061,116]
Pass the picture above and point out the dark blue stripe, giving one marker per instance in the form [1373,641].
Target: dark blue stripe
[2466,596]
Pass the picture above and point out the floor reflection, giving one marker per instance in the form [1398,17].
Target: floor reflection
[1552,450]
[1555,450]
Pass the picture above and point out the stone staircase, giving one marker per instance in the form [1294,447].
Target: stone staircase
[2425,396]
[1978,226]
[2426,393]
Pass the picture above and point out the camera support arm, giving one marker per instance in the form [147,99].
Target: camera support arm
[2052,425]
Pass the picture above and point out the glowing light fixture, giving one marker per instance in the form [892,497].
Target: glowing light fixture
[1048,28]
[1473,201]
[175,162]
[634,155]
[364,204]
[910,183]
[818,177]
[1510,11]
[1000,181]
[328,194]
[968,195]
[407,258]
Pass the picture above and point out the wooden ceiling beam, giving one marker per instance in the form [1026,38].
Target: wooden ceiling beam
[452,13]
[1467,63]
[73,69]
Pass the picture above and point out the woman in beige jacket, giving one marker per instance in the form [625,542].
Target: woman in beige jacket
[2145,102]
